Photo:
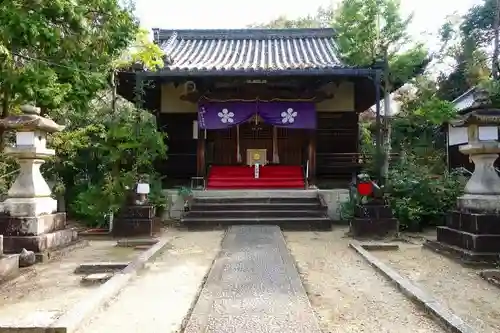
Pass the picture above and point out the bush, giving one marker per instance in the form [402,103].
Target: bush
[100,156]
[420,197]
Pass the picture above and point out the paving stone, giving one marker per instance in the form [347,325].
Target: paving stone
[96,278]
[253,287]
[100,267]
[133,242]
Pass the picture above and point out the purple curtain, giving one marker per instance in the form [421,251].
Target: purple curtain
[288,114]
[224,114]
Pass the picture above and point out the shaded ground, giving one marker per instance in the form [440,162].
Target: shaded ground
[346,293]
[160,297]
[459,288]
[44,291]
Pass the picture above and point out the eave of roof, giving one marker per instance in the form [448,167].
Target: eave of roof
[464,95]
[250,52]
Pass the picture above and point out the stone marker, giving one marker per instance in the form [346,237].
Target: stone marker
[133,242]
[380,246]
[142,247]
[9,264]
[26,258]
[100,267]
[30,220]
[96,278]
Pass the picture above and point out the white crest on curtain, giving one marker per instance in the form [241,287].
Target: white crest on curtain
[226,116]
[288,116]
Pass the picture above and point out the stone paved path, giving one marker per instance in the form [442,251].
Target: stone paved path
[253,287]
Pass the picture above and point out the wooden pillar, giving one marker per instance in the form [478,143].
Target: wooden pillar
[312,155]
[200,154]
[276,158]
[378,122]
[238,149]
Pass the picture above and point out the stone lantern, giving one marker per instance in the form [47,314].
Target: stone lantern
[30,219]
[472,232]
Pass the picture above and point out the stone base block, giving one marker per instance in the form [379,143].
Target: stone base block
[40,243]
[476,223]
[9,266]
[137,211]
[479,203]
[373,211]
[465,257]
[367,227]
[30,206]
[469,241]
[133,227]
[32,225]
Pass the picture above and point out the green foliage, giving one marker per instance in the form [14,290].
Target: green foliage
[419,188]
[419,195]
[478,22]
[58,53]
[8,171]
[470,53]
[143,51]
[366,30]
[103,156]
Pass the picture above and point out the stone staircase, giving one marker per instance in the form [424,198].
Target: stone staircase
[290,210]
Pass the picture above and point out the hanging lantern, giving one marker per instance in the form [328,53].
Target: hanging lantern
[365,188]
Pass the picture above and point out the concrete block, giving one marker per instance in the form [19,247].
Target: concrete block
[133,242]
[9,266]
[100,267]
[96,278]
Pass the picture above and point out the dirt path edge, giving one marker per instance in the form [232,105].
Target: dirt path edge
[450,321]
[74,317]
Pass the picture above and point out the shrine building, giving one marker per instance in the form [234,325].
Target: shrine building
[279,98]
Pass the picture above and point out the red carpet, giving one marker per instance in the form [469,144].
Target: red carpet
[242,177]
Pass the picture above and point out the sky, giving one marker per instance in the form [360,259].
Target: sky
[228,14]
[429,15]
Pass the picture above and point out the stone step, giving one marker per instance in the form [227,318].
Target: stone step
[288,223]
[255,213]
[204,206]
[466,257]
[289,193]
[469,241]
[256,200]
[474,223]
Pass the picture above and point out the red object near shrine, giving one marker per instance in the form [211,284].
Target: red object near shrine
[365,188]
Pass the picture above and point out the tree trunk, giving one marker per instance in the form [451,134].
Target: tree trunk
[4,113]
[113,91]
[496,24]
[387,119]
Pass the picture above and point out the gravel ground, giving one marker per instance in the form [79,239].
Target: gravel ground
[35,296]
[346,293]
[461,289]
[160,297]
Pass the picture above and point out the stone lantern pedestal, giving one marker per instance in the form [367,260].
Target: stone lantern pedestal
[472,231]
[30,219]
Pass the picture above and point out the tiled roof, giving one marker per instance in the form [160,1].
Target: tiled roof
[465,100]
[249,50]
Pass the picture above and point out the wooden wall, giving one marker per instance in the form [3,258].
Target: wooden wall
[181,153]
[222,144]
[337,134]
[336,138]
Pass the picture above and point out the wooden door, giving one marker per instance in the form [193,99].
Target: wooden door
[222,146]
[254,136]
